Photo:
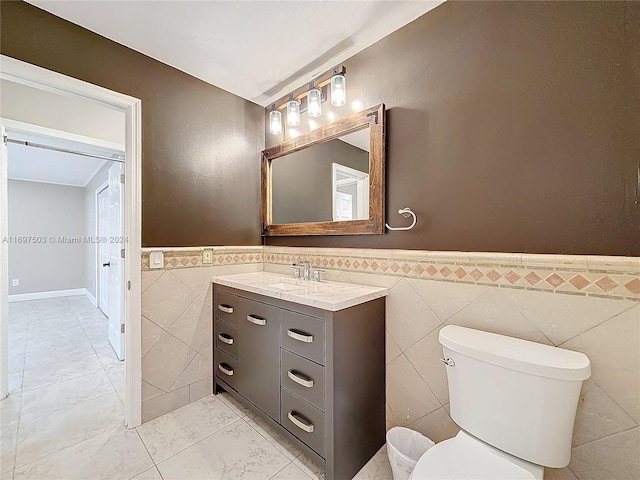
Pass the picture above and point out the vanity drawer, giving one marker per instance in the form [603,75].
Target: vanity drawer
[302,377]
[227,338]
[303,420]
[258,314]
[226,368]
[227,307]
[303,335]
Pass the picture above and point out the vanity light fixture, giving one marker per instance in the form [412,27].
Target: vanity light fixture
[314,99]
[338,90]
[275,121]
[293,112]
[309,99]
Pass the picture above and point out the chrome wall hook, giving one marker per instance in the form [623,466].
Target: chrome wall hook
[406,213]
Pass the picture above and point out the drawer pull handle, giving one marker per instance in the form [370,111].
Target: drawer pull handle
[224,338]
[226,369]
[299,422]
[257,320]
[301,337]
[225,308]
[300,379]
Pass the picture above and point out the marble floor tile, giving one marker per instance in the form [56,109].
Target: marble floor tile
[235,452]
[64,395]
[116,454]
[377,468]
[287,448]
[117,376]
[310,468]
[173,432]
[108,357]
[10,408]
[8,441]
[8,475]
[38,374]
[151,474]
[233,404]
[40,435]
[16,363]
[15,383]
[291,472]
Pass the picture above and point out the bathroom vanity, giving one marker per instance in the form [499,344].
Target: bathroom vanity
[309,357]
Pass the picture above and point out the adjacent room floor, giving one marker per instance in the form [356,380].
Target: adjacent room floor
[64,416]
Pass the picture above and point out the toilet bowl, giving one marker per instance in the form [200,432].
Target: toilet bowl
[465,457]
[515,402]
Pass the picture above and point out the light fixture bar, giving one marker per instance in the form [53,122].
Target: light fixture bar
[320,82]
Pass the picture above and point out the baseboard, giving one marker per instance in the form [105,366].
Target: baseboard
[91,298]
[21,297]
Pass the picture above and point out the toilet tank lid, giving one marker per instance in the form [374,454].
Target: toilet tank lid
[516,354]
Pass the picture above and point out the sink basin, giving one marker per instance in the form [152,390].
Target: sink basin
[285,287]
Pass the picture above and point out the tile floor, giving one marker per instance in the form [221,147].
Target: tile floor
[64,416]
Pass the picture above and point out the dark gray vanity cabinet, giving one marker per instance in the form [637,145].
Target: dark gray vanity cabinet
[316,376]
[254,328]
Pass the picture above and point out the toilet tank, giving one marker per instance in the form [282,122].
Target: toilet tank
[516,395]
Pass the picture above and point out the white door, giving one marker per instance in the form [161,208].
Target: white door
[103,251]
[115,243]
[344,206]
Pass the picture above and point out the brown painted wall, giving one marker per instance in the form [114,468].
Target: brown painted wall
[512,126]
[200,143]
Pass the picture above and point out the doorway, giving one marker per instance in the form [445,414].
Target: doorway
[26,74]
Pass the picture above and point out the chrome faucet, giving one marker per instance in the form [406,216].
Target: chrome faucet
[306,272]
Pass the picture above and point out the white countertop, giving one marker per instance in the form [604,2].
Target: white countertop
[332,296]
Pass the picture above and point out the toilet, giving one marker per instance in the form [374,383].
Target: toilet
[515,402]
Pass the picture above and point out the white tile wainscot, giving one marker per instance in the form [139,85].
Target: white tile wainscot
[581,302]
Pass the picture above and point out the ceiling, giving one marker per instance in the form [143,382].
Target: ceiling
[259,50]
[34,164]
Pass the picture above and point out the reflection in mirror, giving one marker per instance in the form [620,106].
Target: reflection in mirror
[329,181]
[323,183]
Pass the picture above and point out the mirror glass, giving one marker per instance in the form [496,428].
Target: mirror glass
[323,183]
[329,181]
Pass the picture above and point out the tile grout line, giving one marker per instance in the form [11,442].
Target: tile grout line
[595,326]
[607,436]
[155,465]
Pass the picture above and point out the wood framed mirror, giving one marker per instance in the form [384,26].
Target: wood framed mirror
[330,181]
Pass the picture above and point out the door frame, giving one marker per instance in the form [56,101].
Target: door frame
[43,79]
[100,188]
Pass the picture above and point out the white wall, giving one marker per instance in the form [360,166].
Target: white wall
[46,109]
[45,211]
[90,220]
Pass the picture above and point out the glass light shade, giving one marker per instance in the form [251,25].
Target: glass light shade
[275,122]
[314,99]
[338,90]
[293,113]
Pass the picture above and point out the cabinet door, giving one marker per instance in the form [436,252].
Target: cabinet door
[259,351]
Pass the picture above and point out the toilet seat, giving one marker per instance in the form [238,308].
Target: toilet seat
[464,457]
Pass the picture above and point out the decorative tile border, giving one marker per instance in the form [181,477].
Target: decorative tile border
[601,276]
[612,277]
[190,257]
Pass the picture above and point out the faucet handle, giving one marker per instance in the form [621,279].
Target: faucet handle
[296,270]
[316,275]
